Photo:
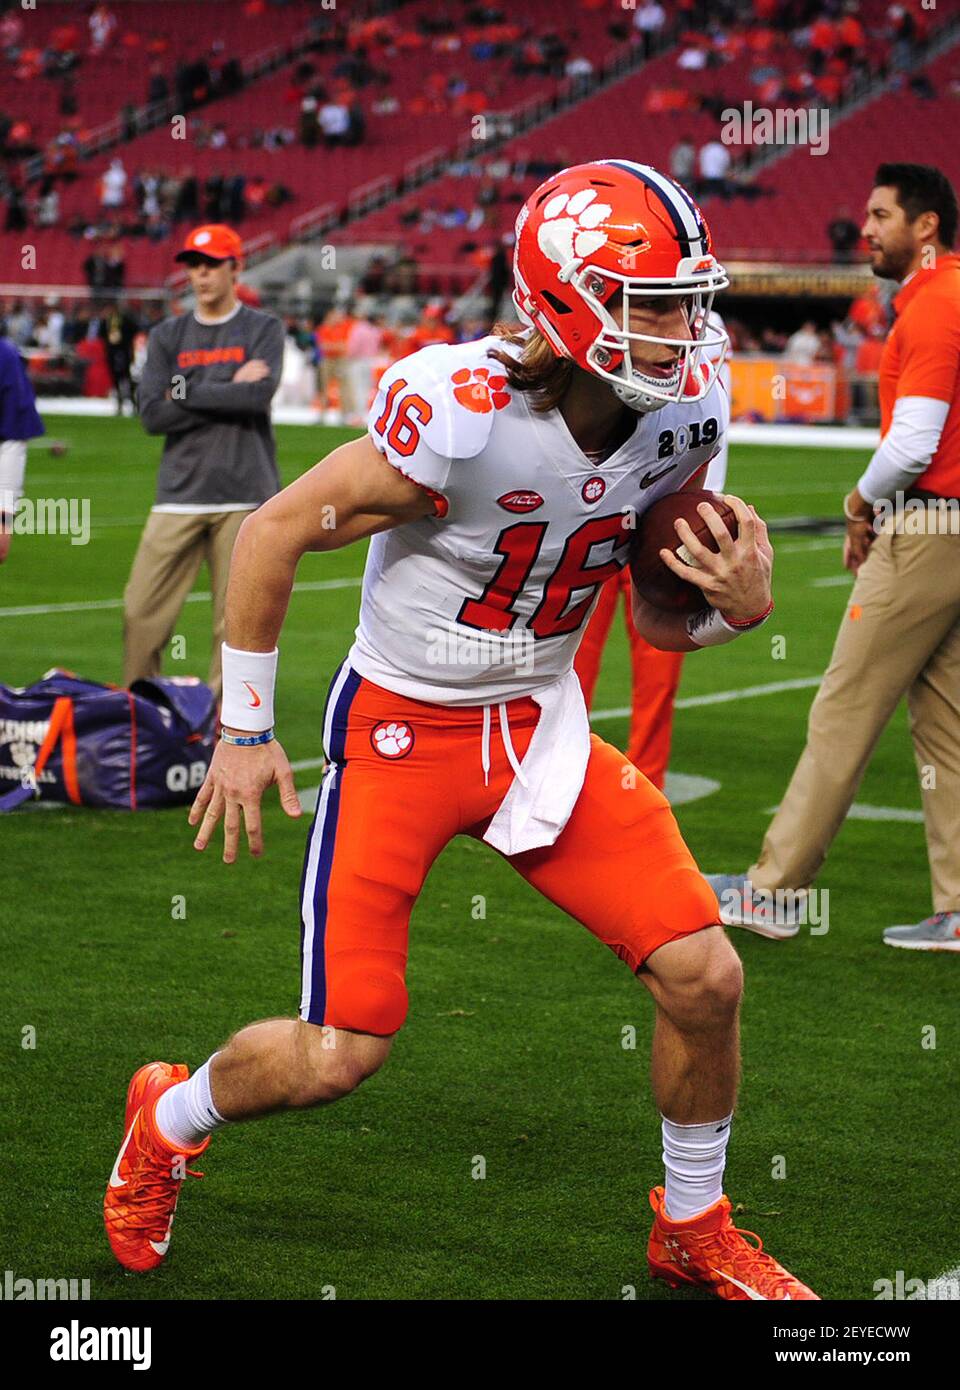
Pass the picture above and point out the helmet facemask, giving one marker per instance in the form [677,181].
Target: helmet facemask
[609,355]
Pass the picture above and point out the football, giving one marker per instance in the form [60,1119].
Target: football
[653,580]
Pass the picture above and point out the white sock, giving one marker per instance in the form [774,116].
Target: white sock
[695,1156]
[186,1113]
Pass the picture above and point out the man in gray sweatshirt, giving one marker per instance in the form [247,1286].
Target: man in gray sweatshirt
[207,384]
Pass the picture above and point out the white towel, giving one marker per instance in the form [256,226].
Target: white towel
[554,766]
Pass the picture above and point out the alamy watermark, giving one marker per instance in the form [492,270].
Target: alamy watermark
[759,125]
[452,646]
[19,1287]
[918,516]
[946,1289]
[48,516]
[801,907]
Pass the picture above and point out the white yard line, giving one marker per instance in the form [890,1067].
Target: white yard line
[33,610]
[862,810]
[814,543]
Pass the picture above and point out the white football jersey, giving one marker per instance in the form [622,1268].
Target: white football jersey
[716,475]
[487,600]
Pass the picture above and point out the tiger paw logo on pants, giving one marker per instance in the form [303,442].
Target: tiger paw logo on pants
[392,739]
[479,391]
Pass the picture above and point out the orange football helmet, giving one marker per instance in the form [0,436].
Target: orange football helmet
[594,230]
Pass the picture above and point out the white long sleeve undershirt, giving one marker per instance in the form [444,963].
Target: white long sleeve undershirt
[907,447]
[13,461]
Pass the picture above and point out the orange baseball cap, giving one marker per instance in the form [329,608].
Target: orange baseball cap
[214,240]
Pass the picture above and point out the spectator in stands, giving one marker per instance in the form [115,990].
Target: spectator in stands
[158,88]
[714,167]
[309,124]
[11,32]
[357,124]
[844,235]
[334,120]
[212,195]
[649,22]
[362,346]
[335,381]
[580,69]
[113,185]
[118,329]
[102,24]
[683,162]
[372,280]
[187,204]
[905,36]
[46,210]
[49,332]
[234,198]
[69,103]
[116,267]
[803,346]
[16,220]
[555,52]
[866,403]
[19,324]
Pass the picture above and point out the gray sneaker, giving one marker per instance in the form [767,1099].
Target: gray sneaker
[768,912]
[941,932]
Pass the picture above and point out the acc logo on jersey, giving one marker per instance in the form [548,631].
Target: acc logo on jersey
[392,739]
[520,501]
[593,489]
[479,391]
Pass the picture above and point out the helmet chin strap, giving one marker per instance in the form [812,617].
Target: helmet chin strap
[636,398]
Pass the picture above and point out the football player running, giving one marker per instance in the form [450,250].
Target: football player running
[500,481]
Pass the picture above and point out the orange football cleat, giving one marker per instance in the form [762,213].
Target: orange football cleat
[711,1252]
[142,1193]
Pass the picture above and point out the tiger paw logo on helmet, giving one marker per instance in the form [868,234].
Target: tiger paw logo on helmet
[479,391]
[570,226]
[392,739]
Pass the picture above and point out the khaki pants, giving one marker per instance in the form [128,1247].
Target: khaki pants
[168,558]
[337,369]
[900,636]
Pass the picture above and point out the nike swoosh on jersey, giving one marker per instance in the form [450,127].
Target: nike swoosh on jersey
[649,479]
[115,1178]
[751,1293]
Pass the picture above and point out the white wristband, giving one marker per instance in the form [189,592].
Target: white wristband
[708,628]
[249,680]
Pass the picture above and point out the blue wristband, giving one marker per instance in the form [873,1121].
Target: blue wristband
[250,741]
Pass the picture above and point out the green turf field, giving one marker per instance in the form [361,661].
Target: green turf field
[513,1048]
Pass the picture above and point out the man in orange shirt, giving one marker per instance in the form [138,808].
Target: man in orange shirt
[901,633]
[336,387]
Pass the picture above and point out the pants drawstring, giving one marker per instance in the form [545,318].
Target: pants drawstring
[508,744]
[512,758]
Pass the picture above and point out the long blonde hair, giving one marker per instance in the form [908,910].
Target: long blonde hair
[538,369]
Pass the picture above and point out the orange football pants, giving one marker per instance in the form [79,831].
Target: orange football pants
[403,778]
[655,677]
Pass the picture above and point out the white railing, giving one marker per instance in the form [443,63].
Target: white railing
[24,291]
[316,220]
[370,195]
